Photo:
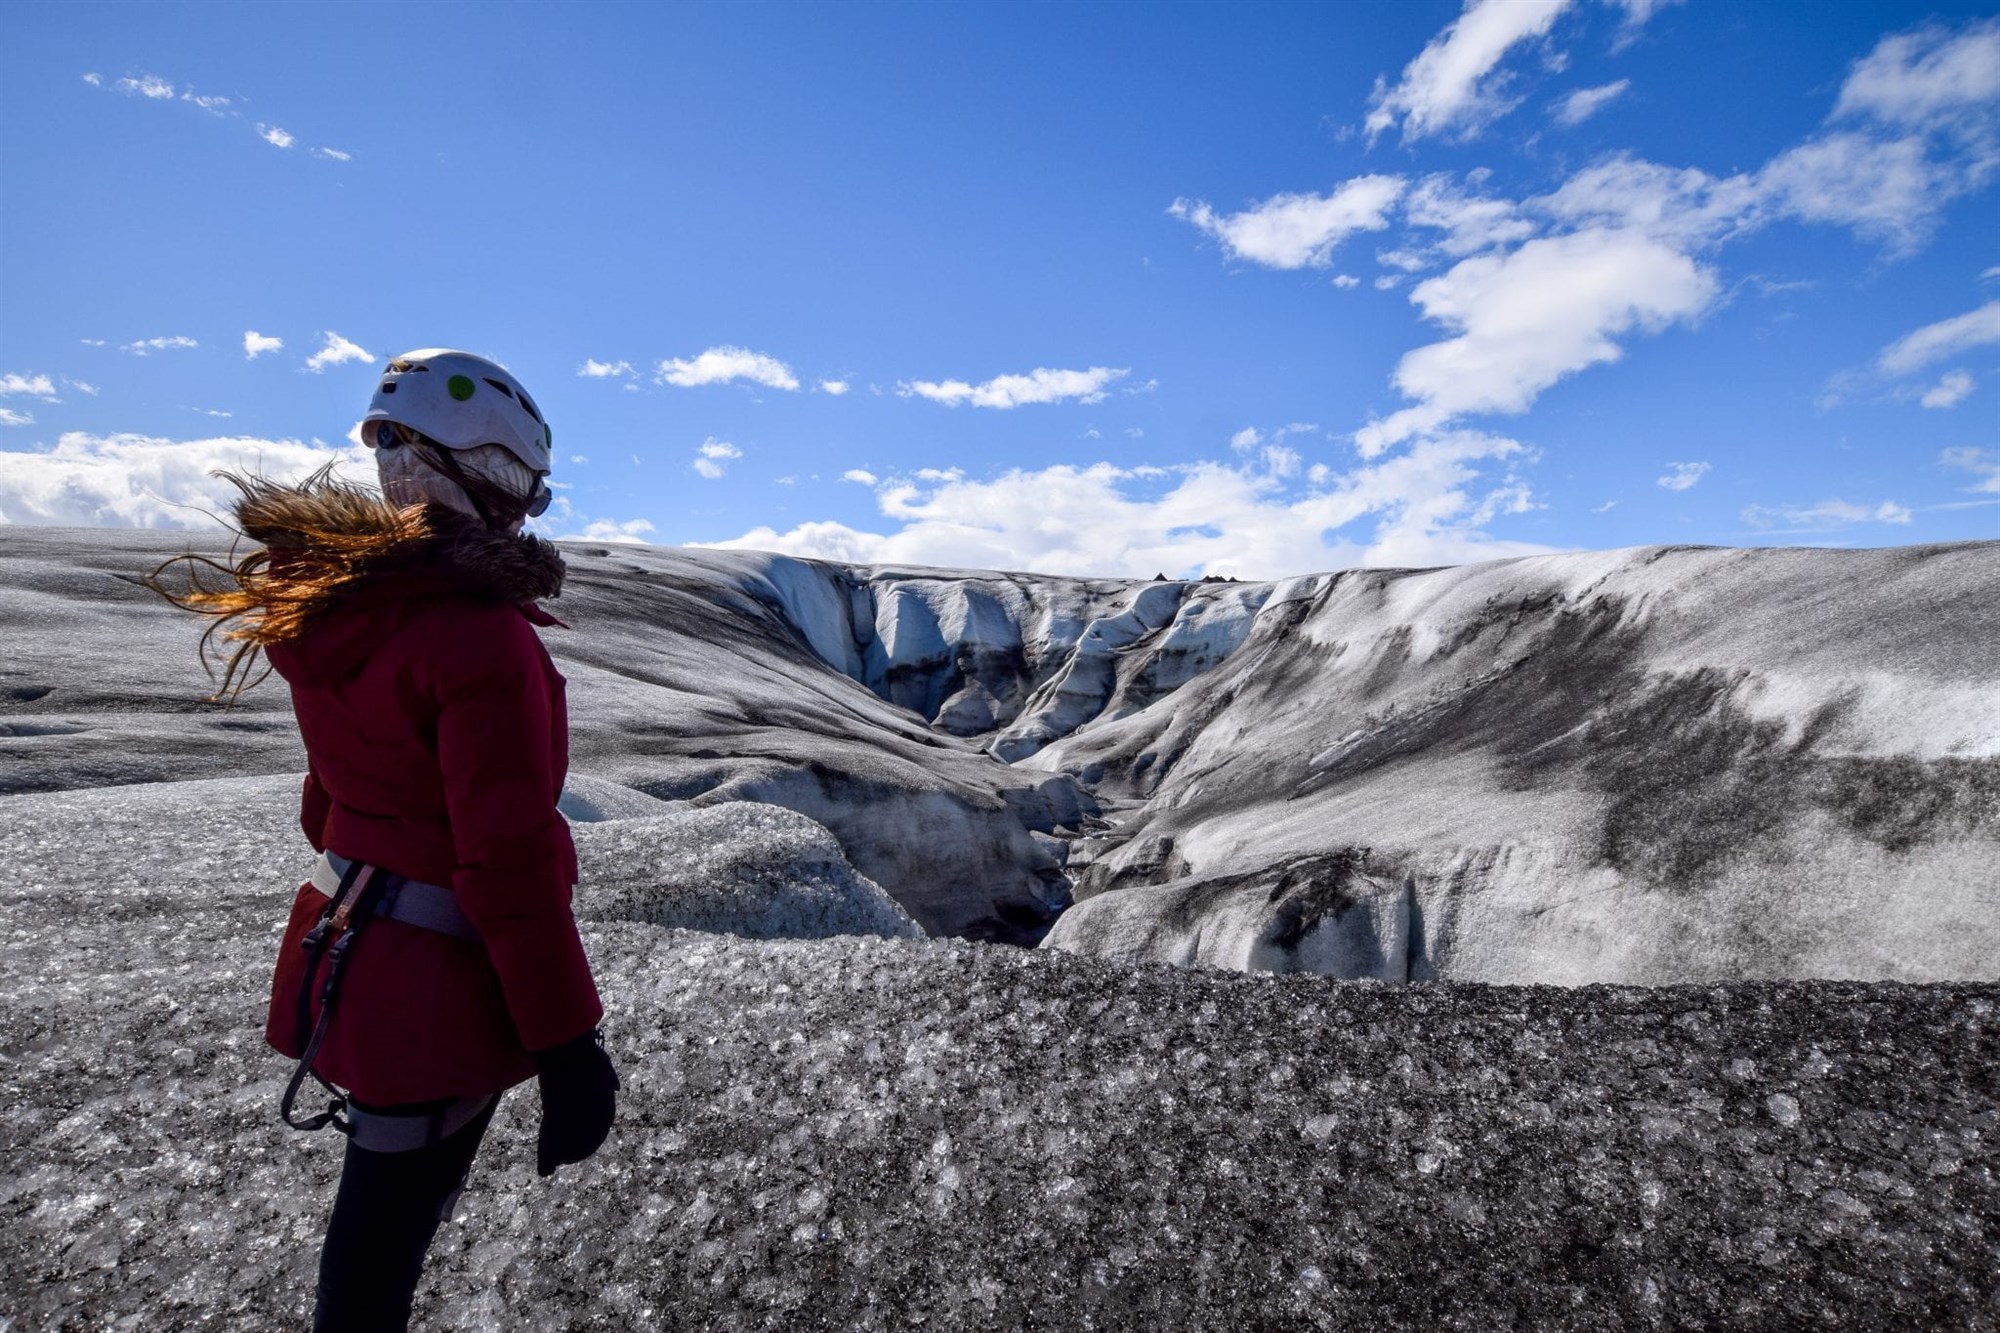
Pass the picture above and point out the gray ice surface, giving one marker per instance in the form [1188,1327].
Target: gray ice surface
[1654,765]
[869,1133]
[859,1131]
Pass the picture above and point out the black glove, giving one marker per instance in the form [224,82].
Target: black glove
[579,1100]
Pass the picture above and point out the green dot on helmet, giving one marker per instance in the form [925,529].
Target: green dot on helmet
[460,387]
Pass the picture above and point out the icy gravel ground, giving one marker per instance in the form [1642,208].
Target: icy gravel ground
[872,1133]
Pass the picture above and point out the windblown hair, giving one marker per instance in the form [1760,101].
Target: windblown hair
[328,544]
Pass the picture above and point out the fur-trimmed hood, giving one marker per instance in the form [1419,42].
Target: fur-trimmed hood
[360,544]
[329,549]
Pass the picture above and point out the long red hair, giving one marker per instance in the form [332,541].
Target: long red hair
[321,542]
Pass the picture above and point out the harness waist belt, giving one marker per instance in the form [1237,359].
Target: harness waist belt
[411,901]
[378,1132]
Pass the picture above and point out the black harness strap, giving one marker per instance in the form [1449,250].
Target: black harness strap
[340,924]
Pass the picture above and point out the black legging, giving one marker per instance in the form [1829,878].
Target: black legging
[387,1210]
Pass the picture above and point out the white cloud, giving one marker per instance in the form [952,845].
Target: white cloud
[211,412]
[148,346]
[712,459]
[1447,88]
[1682,476]
[1584,103]
[214,105]
[1345,280]
[1040,385]
[1982,463]
[1990,274]
[940,474]
[1421,508]
[1471,222]
[10,417]
[146,85]
[1886,189]
[1604,508]
[1824,515]
[1946,338]
[255,344]
[1297,230]
[1926,78]
[1682,207]
[334,350]
[632,531]
[91,342]
[334,154]
[81,386]
[833,387]
[33,386]
[274,136]
[862,475]
[579,459]
[720,365]
[1247,438]
[144,481]
[1530,317]
[94,80]
[1953,389]
[604,370]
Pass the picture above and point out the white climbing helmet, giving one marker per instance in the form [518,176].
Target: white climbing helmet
[461,401]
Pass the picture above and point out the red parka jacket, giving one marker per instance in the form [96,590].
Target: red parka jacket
[437,738]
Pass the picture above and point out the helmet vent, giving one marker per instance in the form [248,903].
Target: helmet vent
[388,386]
[498,385]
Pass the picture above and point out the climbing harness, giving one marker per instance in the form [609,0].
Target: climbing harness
[356,894]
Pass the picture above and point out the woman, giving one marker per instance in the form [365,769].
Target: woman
[431,962]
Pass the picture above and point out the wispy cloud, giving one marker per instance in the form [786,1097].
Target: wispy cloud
[146,481]
[1826,515]
[1954,388]
[1981,463]
[150,86]
[255,344]
[604,370]
[274,136]
[335,350]
[714,456]
[1297,230]
[1946,338]
[13,384]
[1257,518]
[84,387]
[1040,385]
[1682,476]
[632,531]
[148,346]
[1530,317]
[10,417]
[833,388]
[334,154]
[1451,86]
[1584,103]
[720,365]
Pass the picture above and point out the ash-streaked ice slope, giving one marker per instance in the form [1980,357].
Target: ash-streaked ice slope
[1649,765]
[1769,772]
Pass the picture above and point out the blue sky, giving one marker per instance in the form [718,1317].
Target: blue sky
[1110,289]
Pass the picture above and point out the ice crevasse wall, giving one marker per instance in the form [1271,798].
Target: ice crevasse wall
[1650,765]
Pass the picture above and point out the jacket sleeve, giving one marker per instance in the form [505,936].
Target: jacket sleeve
[515,858]
[314,804]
